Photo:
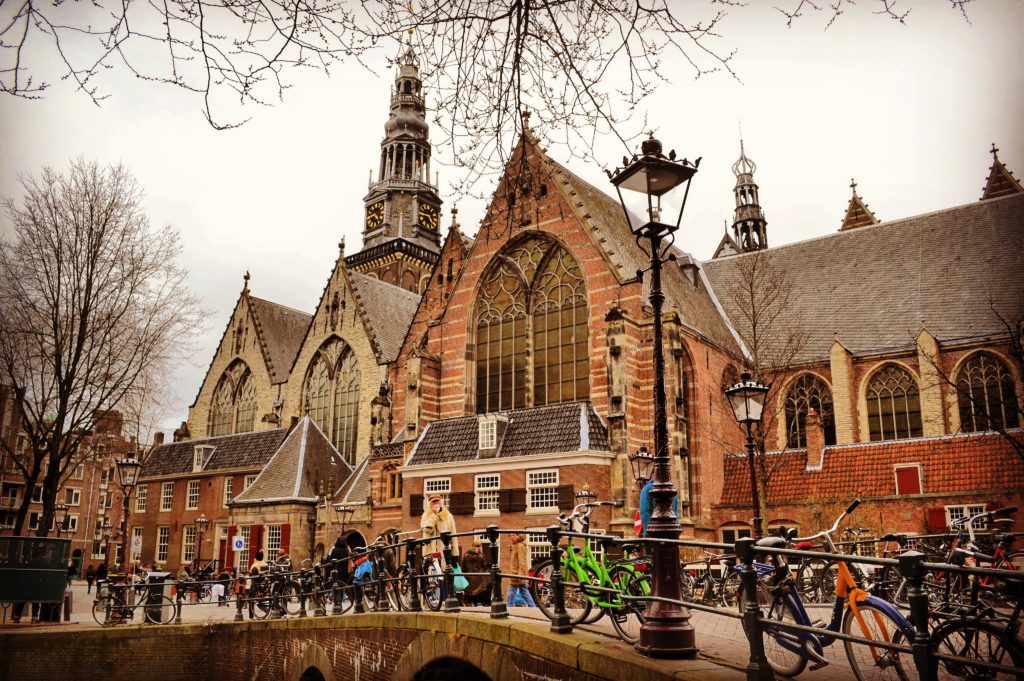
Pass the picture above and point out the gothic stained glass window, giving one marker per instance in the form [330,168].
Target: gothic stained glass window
[985,394]
[533,292]
[894,404]
[332,395]
[233,408]
[805,392]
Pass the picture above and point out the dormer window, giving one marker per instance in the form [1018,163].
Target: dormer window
[202,456]
[488,433]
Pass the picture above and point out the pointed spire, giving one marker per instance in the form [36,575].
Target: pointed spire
[1001,181]
[749,225]
[857,212]
[245,279]
[341,246]
[455,220]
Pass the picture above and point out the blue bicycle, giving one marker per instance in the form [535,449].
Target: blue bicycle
[854,612]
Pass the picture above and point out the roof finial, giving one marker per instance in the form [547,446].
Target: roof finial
[455,221]
[245,286]
[526,117]
[341,245]
[995,149]
[853,185]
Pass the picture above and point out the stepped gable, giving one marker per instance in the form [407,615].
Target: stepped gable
[866,469]
[604,216]
[280,330]
[241,451]
[388,311]
[953,272]
[567,427]
[294,471]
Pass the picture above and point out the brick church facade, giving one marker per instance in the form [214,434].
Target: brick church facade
[508,370]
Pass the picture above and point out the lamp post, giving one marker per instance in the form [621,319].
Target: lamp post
[747,400]
[202,522]
[107,536]
[344,513]
[667,631]
[127,476]
[63,527]
[642,463]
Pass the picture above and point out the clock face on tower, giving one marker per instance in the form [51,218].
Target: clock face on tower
[428,216]
[375,215]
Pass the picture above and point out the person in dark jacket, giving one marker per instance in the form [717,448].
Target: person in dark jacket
[101,574]
[90,577]
[478,592]
[340,558]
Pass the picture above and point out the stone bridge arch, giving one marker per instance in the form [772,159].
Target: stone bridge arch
[491,659]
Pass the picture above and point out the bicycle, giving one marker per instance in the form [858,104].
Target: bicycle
[854,612]
[156,608]
[711,590]
[982,640]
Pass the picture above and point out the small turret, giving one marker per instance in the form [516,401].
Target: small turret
[749,224]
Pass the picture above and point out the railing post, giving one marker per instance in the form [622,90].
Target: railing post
[336,591]
[318,590]
[560,623]
[358,606]
[249,584]
[758,668]
[238,600]
[302,594]
[177,603]
[106,607]
[498,607]
[412,562]
[451,602]
[383,604]
[912,569]
[277,598]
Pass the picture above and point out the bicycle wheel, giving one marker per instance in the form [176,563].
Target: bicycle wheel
[730,588]
[872,663]
[391,592]
[99,610]
[628,619]
[777,609]
[975,640]
[1016,559]
[262,604]
[403,585]
[577,605]
[291,595]
[432,588]
[827,582]
[204,594]
[160,611]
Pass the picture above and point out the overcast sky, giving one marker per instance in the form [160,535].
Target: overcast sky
[909,111]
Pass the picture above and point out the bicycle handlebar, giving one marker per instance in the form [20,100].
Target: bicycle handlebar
[835,526]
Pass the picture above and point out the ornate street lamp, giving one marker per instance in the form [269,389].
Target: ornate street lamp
[747,400]
[128,470]
[107,535]
[642,464]
[585,495]
[667,632]
[63,527]
[344,514]
[202,522]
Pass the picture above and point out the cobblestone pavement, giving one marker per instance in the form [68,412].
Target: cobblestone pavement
[720,639]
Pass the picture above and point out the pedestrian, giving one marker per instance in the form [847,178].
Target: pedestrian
[519,564]
[102,572]
[90,577]
[340,558]
[435,520]
[647,505]
[478,591]
[71,573]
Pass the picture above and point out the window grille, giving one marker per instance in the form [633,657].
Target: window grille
[163,540]
[141,492]
[273,543]
[965,511]
[894,405]
[229,484]
[538,545]
[332,395]
[167,496]
[442,486]
[805,393]
[188,544]
[192,499]
[243,556]
[986,395]
[233,408]
[542,489]
[487,487]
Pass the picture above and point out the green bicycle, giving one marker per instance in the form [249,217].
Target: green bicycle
[592,583]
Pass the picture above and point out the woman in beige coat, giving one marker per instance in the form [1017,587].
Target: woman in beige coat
[435,520]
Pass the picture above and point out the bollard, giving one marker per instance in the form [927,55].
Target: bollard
[412,563]
[451,602]
[318,599]
[177,603]
[912,569]
[302,582]
[238,604]
[498,608]
[758,668]
[560,623]
[336,592]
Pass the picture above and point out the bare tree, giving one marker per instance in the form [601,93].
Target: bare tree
[758,299]
[585,66]
[92,302]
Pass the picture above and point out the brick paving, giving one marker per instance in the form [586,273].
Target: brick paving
[720,639]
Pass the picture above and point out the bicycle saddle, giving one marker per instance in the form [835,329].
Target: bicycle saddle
[1005,538]
[628,548]
[771,542]
[804,546]
[900,539]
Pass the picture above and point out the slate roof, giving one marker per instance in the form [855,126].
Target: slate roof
[281,330]
[304,458]
[568,427]
[356,489]
[866,469]
[388,311]
[874,288]
[696,307]
[245,450]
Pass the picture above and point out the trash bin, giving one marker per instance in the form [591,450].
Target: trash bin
[158,584]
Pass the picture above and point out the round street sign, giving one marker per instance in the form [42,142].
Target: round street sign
[237,544]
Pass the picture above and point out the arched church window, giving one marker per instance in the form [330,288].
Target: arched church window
[233,408]
[683,369]
[332,395]
[986,395]
[805,393]
[533,290]
[894,404]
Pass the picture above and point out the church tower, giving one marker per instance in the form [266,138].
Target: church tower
[748,225]
[402,214]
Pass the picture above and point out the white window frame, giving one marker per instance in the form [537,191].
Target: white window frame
[485,544]
[485,493]
[245,531]
[537,545]
[72,527]
[920,478]
[532,486]
[229,486]
[442,486]
[37,494]
[200,456]
[735,529]
[249,479]
[72,496]
[964,511]
[167,496]
[596,547]
[188,544]
[98,550]
[192,495]
[79,472]
[141,493]
[136,555]
[488,438]
[163,543]
[273,547]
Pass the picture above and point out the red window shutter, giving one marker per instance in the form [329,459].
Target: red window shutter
[936,520]
[908,480]
[229,552]
[286,534]
[255,540]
